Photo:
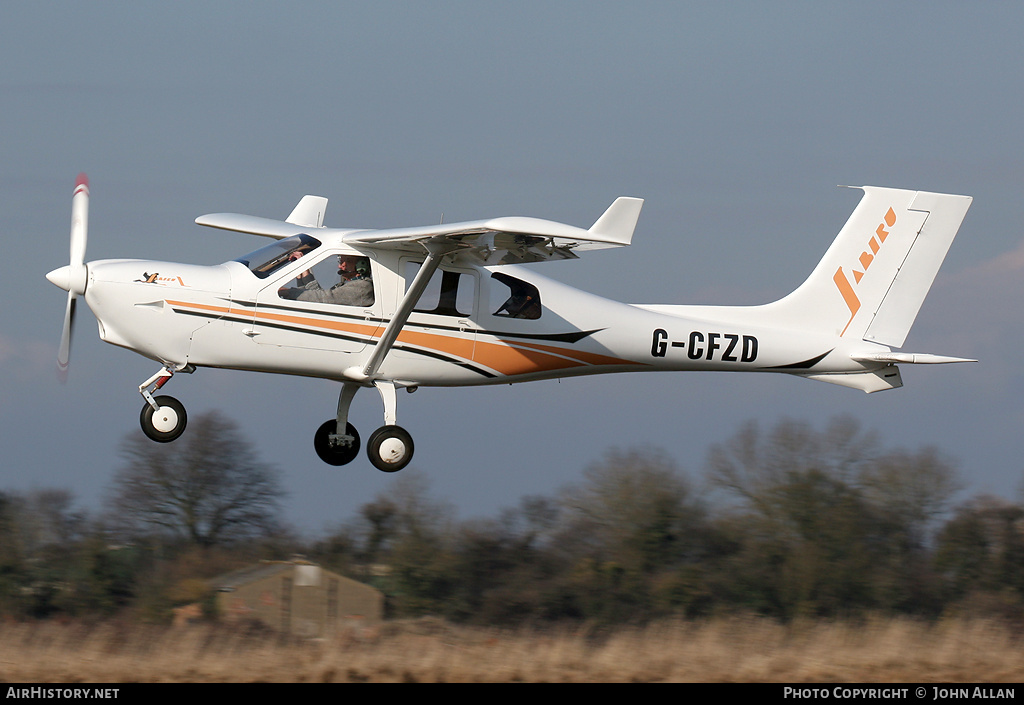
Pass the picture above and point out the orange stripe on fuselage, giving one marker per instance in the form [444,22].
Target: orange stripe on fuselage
[581,355]
[459,347]
[509,360]
[504,357]
[346,326]
[205,307]
[510,357]
[263,315]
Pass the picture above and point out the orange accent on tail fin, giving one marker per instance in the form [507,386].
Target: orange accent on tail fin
[849,296]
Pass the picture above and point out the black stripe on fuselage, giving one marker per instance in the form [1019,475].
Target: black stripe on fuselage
[339,336]
[806,364]
[570,338]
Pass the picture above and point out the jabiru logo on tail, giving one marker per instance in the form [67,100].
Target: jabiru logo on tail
[866,258]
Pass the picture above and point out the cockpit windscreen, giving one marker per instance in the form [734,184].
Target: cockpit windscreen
[266,260]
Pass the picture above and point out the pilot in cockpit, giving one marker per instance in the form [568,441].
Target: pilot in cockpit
[355,286]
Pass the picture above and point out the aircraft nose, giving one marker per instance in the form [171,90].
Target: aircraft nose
[61,277]
[70,278]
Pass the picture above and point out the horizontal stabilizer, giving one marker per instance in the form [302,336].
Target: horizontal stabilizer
[875,381]
[910,358]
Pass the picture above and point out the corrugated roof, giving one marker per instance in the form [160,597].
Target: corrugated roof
[251,574]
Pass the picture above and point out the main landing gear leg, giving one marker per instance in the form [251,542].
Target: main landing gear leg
[390,447]
[336,441]
[163,418]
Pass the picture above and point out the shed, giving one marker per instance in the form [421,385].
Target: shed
[297,597]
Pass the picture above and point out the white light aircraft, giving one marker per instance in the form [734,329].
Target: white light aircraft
[448,306]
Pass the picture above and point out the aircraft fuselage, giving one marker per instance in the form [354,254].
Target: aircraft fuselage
[225,316]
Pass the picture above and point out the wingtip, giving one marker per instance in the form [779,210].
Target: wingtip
[618,222]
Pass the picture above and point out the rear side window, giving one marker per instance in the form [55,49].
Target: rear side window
[449,293]
[518,299]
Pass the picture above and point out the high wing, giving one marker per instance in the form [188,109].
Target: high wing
[254,225]
[512,240]
[309,213]
[505,240]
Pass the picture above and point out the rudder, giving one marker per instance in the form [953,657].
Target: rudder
[902,302]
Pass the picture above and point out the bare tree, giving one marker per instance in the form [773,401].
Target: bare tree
[751,464]
[634,508]
[842,522]
[755,468]
[208,488]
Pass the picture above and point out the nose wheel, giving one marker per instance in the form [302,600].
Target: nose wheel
[164,423]
[163,418]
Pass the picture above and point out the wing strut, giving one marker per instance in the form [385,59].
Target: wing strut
[436,250]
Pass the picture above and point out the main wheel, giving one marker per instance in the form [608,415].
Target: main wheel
[390,448]
[165,425]
[339,454]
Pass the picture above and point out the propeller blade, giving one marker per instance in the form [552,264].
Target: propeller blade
[73,277]
[64,354]
[79,221]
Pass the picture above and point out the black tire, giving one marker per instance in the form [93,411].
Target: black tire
[167,424]
[390,448]
[335,455]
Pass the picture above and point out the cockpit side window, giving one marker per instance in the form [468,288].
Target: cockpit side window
[266,260]
[523,298]
[345,279]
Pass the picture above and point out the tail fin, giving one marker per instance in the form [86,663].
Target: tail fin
[873,279]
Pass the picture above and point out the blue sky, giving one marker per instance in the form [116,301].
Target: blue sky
[735,121]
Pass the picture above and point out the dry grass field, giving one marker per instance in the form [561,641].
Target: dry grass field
[722,650]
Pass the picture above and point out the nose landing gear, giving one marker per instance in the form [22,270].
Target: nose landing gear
[165,423]
[163,418]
